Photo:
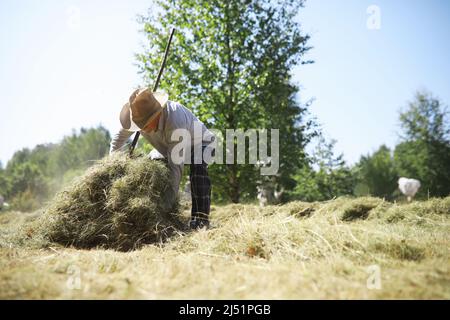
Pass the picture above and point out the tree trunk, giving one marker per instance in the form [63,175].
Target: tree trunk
[234,191]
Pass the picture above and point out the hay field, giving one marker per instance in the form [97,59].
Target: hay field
[361,248]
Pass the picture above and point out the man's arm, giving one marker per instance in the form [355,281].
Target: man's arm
[175,119]
[119,140]
[175,171]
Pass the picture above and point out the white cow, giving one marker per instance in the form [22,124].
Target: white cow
[264,196]
[408,187]
[268,190]
[268,194]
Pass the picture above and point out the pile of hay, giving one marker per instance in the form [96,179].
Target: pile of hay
[118,203]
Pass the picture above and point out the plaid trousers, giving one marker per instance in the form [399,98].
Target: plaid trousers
[200,190]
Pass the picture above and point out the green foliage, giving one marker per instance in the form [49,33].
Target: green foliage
[143,147]
[231,63]
[31,176]
[3,181]
[331,178]
[78,149]
[378,174]
[424,152]
[26,200]
[28,180]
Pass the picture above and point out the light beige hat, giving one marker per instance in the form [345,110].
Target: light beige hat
[142,107]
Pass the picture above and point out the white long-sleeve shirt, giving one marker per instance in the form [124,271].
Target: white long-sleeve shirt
[174,116]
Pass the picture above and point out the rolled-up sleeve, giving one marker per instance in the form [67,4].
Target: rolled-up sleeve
[177,121]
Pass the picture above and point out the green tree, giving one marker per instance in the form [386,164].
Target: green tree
[31,176]
[231,64]
[377,174]
[3,181]
[424,152]
[327,175]
[306,188]
[79,150]
[27,185]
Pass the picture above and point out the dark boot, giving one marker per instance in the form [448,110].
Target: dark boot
[199,221]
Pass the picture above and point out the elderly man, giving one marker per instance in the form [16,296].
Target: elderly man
[157,118]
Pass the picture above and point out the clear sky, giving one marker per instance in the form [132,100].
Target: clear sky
[362,76]
[67,64]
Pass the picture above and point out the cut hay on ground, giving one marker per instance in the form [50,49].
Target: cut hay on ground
[299,250]
[118,203]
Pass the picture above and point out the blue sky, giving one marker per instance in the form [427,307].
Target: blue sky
[362,77]
[68,64]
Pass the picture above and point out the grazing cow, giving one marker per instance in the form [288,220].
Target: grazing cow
[268,194]
[264,196]
[408,187]
[269,191]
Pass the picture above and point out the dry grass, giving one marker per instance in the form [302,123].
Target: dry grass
[117,204]
[296,251]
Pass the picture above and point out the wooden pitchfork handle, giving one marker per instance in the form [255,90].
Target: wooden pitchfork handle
[155,86]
